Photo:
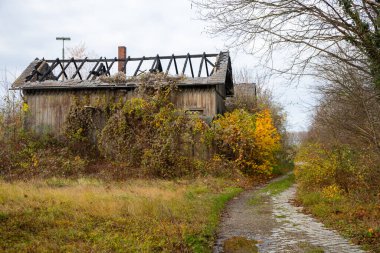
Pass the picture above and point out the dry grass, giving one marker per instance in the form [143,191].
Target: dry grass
[60,215]
[356,218]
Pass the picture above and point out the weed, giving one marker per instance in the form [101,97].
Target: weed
[258,199]
[279,186]
[354,219]
[273,188]
[309,248]
[85,215]
[3,216]
[240,245]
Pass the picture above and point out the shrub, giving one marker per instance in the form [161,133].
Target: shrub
[340,166]
[250,140]
[147,132]
[152,136]
[120,137]
[340,185]
[80,129]
[149,136]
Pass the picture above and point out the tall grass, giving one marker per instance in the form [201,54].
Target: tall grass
[93,216]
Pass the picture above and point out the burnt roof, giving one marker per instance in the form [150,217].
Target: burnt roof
[201,70]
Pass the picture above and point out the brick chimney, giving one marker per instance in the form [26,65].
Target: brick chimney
[121,55]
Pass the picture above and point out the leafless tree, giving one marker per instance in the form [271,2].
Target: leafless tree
[10,105]
[349,108]
[347,122]
[252,93]
[346,30]
[81,52]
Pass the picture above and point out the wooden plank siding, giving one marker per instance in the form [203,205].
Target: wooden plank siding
[197,99]
[48,109]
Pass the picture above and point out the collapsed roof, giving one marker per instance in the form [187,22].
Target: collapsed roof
[197,70]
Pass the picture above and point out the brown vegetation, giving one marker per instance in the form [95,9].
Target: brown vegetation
[339,171]
[89,215]
[142,137]
[81,192]
[338,43]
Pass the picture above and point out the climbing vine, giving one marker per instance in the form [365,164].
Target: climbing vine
[148,133]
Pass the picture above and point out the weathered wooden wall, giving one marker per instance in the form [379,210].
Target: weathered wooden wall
[49,108]
[220,96]
[201,100]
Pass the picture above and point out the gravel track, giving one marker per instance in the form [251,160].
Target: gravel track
[277,225]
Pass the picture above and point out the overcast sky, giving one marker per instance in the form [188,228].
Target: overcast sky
[147,27]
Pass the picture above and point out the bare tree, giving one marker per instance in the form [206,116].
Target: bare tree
[10,106]
[348,112]
[346,30]
[80,52]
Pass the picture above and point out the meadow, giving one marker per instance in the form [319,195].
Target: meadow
[90,215]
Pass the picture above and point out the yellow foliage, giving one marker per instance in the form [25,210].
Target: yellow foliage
[135,105]
[331,192]
[316,168]
[35,161]
[266,136]
[25,107]
[320,167]
[251,139]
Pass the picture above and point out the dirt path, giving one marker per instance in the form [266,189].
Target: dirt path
[276,226]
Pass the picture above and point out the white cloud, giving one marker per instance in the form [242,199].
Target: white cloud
[146,27]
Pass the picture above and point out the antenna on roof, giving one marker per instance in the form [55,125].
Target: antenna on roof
[63,50]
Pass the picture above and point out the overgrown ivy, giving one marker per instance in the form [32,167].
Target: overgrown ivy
[149,134]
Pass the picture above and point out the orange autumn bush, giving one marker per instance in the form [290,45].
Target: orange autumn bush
[250,140]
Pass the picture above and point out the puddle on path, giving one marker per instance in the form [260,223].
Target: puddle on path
[238,244]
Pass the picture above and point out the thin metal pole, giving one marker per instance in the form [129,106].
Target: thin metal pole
[63,51]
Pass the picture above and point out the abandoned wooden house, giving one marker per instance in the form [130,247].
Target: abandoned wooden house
[49,86]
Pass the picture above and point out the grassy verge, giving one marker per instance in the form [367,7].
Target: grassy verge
[279,186]
[273,188]
[93,216]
